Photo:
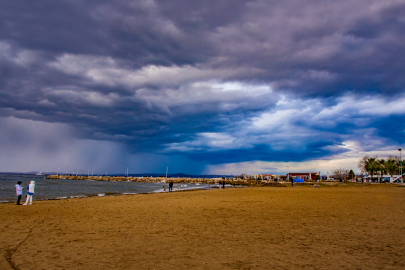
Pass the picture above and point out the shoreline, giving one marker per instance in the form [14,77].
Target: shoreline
[234,185]
[111,194]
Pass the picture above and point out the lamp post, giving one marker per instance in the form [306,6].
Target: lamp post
[400,164]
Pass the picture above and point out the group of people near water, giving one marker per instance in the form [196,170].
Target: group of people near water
[30,192]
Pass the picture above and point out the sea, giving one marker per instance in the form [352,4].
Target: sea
[58,189]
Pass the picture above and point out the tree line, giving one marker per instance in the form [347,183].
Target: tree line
[374,166]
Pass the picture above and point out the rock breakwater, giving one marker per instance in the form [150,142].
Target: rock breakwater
[228,181]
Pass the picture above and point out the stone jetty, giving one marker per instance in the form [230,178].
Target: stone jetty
[228,181]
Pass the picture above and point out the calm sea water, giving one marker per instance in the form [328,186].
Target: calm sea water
[46,189]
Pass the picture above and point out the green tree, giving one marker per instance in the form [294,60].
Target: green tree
[351,174]
[371,166]
[392,166]
[381,163]
[398,161]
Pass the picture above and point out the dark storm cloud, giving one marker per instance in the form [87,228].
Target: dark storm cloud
[208,80]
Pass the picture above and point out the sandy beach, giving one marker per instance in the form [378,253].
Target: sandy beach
[342,227]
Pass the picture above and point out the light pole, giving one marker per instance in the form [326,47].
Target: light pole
[400,164]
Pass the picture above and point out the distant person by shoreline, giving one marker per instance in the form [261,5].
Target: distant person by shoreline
[30,192]
[171,185]
[19,191]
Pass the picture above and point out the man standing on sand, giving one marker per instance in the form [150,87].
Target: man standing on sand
[30,192]
[171,186]
[19,191]
[223,184]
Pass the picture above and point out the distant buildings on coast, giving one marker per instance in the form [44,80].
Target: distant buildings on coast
[311,176]
[305,176]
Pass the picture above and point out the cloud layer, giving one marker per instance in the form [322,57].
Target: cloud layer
[203,83]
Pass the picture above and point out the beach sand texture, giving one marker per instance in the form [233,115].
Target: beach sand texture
[344,227]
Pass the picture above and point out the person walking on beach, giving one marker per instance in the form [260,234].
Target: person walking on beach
[19,191]
[30,192]
[171,186]
[223,184]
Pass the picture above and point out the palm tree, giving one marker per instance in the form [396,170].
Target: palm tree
[381,163]
[371,166]
[362,164]
[391,166]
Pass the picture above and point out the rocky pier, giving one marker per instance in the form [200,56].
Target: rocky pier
[228,181]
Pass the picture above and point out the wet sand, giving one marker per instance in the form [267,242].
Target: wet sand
[344,227]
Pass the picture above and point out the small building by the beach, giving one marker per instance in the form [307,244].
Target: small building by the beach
[267,177]
[271,177]
[303,175]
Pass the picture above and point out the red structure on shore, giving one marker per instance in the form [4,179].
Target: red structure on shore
[305,176]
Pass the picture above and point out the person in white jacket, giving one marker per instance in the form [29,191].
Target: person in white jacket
[30,192]
[19,191]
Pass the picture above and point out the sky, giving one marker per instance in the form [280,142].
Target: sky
[200,87]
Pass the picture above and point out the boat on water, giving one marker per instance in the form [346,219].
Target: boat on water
[40,173]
